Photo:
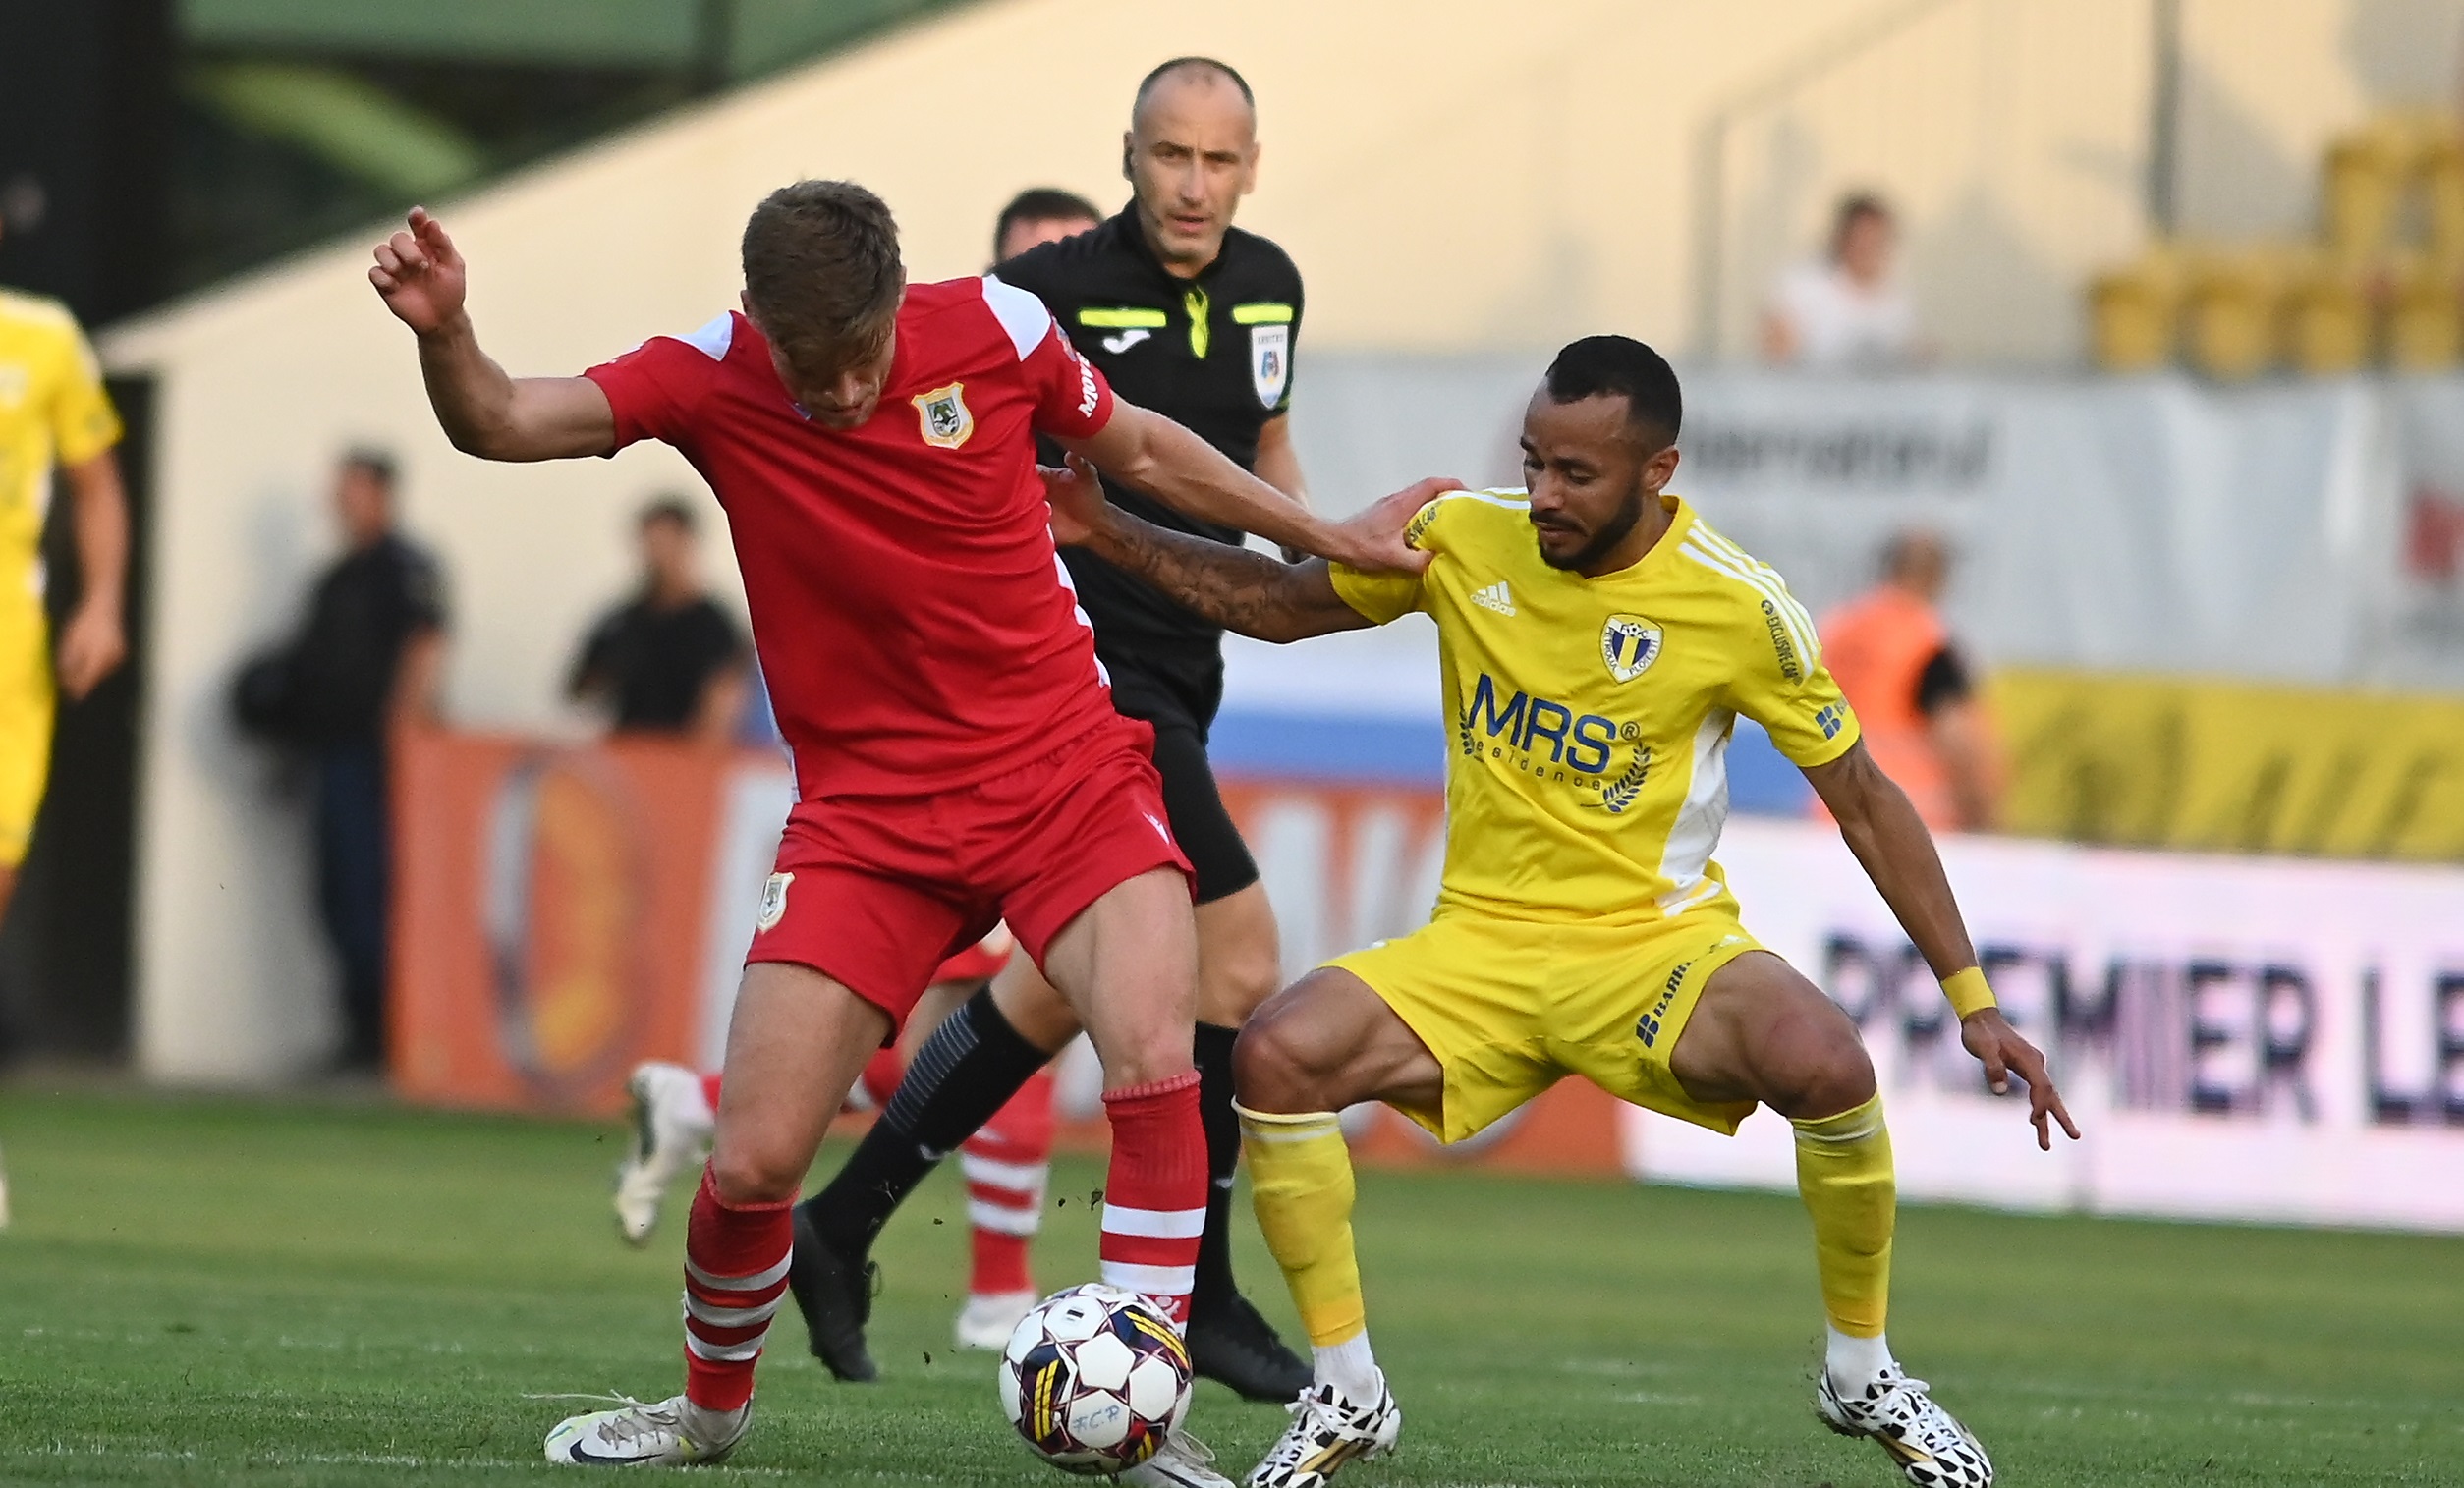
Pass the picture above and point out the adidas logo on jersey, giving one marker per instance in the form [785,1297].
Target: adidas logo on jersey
[1495,597]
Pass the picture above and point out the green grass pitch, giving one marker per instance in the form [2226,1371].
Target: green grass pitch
[203,1292]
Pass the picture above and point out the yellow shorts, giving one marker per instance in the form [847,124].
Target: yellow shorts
[25,708]
[1509,1007]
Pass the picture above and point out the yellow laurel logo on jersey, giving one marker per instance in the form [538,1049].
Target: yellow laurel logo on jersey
[943,413]
[1629,644]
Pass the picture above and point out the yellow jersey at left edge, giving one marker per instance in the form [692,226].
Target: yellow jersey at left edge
[1590,718]
[53,410]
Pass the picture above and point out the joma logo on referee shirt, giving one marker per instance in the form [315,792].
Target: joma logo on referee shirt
[1578,741]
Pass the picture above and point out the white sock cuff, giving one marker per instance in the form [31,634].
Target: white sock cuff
[1351,1366]
[1855,1362]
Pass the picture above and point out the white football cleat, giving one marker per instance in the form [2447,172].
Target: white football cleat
[1182,1461]
[672,1127]
[991,1317]
[1928,1444]
[674,1433]
[1328,1429]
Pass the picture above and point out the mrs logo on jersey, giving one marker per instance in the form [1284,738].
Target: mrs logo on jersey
[773,901]
[943,414]
[1629,644]
[1269,362]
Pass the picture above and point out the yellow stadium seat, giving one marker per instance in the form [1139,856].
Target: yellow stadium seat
[2359,189]
[2424,327]
[2327,320]
[2131,315]
[2230,313]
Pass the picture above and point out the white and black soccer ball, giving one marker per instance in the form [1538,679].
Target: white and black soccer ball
[1094,1378]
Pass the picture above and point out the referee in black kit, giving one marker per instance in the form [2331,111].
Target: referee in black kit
[1195,319]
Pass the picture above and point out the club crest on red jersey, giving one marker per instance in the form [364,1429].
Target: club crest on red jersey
[774,901]
[943,415]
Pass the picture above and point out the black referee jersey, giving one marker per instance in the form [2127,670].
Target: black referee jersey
[1214,354]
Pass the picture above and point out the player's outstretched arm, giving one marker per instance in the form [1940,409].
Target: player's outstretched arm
[1145,450]
[421,278]
[1891,841]
[1250,594]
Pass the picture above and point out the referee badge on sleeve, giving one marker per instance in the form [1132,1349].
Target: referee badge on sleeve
[1269,362]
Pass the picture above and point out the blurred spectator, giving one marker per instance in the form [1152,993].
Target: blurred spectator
[1039,215]
[1847,312]
[1913,692]
[669,660]
[366,662]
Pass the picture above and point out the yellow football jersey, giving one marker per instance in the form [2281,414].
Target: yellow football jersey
[1590,718]
[52,409]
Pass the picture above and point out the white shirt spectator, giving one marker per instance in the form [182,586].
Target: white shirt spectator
[1834,323]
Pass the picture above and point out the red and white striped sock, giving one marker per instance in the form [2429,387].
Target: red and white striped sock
[1007,1163]
[1154,1197]
[734,1273]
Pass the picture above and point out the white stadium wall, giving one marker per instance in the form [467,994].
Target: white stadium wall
[1450,176]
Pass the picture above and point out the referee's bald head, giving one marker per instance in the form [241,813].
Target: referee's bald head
[1201,70]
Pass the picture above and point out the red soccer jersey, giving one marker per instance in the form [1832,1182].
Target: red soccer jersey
[916,627]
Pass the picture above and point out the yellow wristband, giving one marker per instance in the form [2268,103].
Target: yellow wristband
[1967,992]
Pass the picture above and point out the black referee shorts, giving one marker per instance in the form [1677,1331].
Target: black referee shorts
[1178,695]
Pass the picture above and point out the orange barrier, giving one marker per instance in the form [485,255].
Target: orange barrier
[554,925]
[549,916]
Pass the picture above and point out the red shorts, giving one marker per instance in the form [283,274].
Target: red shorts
[877,891]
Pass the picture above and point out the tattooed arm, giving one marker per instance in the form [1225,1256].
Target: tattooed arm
[1250,594]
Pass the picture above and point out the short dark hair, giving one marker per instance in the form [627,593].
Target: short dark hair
[375,464]
[821,268]
[1041,204]
[1147,85]
[1620,366]
[1854,208]
[666,509]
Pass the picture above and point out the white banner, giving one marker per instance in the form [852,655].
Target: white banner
[2238,1039]
[2306,531]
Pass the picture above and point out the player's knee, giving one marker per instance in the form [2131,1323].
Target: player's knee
[1235,981]
[1832,1074]
[1273,1065]
[752,1172]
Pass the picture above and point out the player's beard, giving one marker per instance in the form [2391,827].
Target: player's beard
[1611,534]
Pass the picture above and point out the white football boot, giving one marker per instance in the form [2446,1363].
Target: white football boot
[672,1127]
[1930,1448]
[1182,1461]
[991,1317]
[1328,1429]
[674,1433]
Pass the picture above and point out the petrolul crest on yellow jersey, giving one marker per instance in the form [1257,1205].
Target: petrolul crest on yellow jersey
[1629,644]
[945,417]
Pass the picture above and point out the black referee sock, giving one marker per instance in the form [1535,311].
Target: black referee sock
[1211,1052]
[967,1070]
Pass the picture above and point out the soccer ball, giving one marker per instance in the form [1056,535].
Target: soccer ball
[1094,1378]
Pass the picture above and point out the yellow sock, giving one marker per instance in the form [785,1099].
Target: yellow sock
[1299,1178]
[1844,1175]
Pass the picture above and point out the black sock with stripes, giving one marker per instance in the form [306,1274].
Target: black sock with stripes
[1211,1052]
[967,1070]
